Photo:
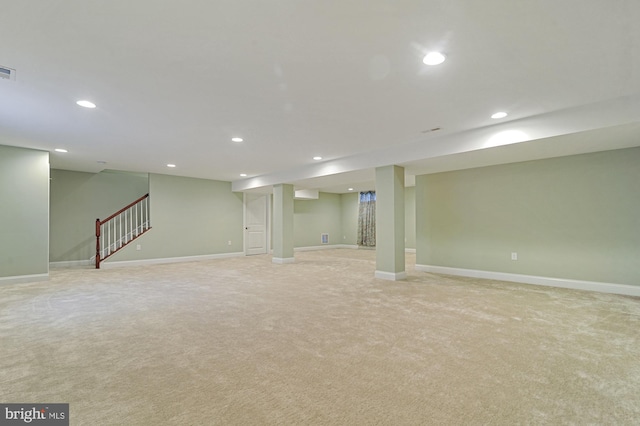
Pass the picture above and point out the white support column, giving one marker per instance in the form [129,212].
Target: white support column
[283,224]
[423,228]
[390,262]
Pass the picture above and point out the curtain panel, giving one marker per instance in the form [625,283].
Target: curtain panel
[367,219]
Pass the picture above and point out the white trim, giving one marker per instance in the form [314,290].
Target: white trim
[409,250]
[628,290]
[391,276]
[71,263]
[283,260]
[123,263]
[19,279]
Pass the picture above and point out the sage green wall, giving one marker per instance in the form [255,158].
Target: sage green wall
[189,217]
[24,212]
[311,218]
[349,204]
[78,199]
[410,217]
[574,217]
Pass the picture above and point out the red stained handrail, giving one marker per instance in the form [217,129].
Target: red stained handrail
[102,222]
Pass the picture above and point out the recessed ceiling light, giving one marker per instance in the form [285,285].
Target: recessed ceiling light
[434,58]
[171,165]
[317,158]
[499,115]
[237,139]
[350,189]
[86,104]
[243,174]
[61,150]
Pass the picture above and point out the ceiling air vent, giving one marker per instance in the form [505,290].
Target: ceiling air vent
[7,73]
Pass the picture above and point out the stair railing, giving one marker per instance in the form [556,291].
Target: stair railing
[122,227]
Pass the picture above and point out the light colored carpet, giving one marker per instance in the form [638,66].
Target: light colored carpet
[243,341]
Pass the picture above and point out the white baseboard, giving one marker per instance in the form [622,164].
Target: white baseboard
[123,263]
[19,279]
[78,263]
[391,276]
[283,260]
[628,290]
[71,263]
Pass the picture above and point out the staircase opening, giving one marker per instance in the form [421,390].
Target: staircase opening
[121,228]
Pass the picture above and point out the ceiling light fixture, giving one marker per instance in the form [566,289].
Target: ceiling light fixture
[350,189]
[237,139]
[243,175]
[86,104]
[171,165]
[434,58]
[317,158]
[60,150]
[499,115]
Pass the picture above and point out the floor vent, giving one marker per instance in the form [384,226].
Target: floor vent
[7,73]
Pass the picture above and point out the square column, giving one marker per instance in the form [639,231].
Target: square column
[283,224]
[423,227]
[390,264]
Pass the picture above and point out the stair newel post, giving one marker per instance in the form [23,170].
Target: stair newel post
[97,243]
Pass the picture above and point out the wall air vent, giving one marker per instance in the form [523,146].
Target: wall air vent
[7,73]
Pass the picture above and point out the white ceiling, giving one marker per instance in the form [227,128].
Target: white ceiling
[175,81]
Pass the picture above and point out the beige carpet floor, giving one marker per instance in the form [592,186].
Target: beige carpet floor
[243,341]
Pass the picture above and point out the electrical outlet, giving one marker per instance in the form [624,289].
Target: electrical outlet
[514,256]
[139,247]
[229,242]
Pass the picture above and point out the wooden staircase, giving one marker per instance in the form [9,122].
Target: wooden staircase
[121,228]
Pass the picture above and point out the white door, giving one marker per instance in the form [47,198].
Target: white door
[255,223]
